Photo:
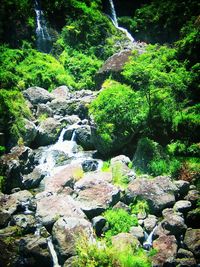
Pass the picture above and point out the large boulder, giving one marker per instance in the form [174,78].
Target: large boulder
[61,92]
[96,195]
[37,95]
[166,247]
[123,240]
[33,179]
[83,137]
[26,222]
[192,241]
[10,203]
[43,110]
[50,207]
[158,192]
[29,133]
[48,132]
[66,232]
[185,258]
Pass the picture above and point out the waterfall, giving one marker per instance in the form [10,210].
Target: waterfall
[149,240]
[115,22]
[44,40]
[52,252]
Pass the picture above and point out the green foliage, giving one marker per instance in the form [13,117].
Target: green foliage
[82,67]
[24,68]
[118,177]
[13,110]
[2,183]
[164,166]
[154,22]
[106,166]
[140,206]
[118,112]
[119,221]
[98,254]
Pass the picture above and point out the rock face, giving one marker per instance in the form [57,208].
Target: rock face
[96,195]
[30,132]
[33,179]
[50,207]
[48,132]
[167,249]
[83,136]
[37,95]
[66,232]
[192,241]
[61,92]
[159,192]
[122,240]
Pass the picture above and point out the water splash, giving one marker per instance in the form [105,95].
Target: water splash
[149,240]
[44,41]
[53,252]
[115,22]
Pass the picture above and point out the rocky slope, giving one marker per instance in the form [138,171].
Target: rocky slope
[55,191]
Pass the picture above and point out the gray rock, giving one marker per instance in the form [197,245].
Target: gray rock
[150,222]
[98,224]
[167,250]
[183,187]
[66,232]
[137,232]
[183,253]
[70,262]
[173,223]
[37,95]
[193,196]
[192,241]
[186,262]
[159,192]
[45,110]
[70,120]
[182,206]
[83,137]
[26,222]
[121,205]
[50,207]
[122,240]
[29,133]
[89,165]
[33,179]
[48,132]
[96,196]
[61,92]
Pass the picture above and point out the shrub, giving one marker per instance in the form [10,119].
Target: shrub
[118,112]
[118,177]
[140,206]
[119,221]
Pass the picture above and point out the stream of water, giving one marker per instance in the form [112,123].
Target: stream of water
[115,22]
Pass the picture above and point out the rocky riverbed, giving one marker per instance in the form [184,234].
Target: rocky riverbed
[56,189]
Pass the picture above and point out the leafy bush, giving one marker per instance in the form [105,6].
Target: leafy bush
[140,206]
[119,221]
[118,112]
[98,254]
[13,110]
[24,68]
[118,177]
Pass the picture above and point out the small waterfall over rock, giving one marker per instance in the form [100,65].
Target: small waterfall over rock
[44,41]
[53,252]
[115,22]
[149,239]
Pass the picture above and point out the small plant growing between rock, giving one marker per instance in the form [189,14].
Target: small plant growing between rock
[118,177]
[106,166]
[78,174]
[139,207]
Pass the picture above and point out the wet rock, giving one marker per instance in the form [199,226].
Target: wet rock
[182,206]
[185,258]
[26,222]
[137,232]
[183,187]
[33,179]
[64,178]
[61,92]
[29,133]
[51,207]
[66,232]
[98,224]
[48,132]
[122,240]
[59,106]
[35,250]
[9,205]
[121,205]
[192,241]
[167,249]
[150,222]
[70,120]
[83,137]
[90,165]
[173,223]
[193,196]
[43,110]
[96,196]
[159,192]
[37,95]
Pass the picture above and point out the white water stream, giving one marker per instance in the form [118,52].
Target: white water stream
[115,22]
[149,239]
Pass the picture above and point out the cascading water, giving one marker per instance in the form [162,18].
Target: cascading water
[52,252]
[115,22]
[149,239]
[44,41]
